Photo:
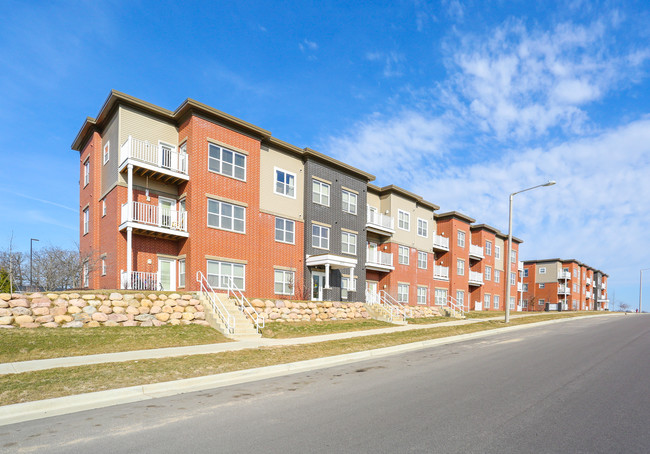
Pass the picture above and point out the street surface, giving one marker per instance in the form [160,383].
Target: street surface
[571,387]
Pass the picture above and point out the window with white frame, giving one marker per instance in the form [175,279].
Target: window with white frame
[575,287]
[488,247]
[103,266]
[460,298]
[284,282]
[460,267]
[227,162]
[525,272]
[107,152]
[284,230]
[348,243]
[497,252]
[349,201]
[103,208]
[345,286]
[525,287]
[86,274]
[320,193]
[512,303]
[423,228]
[440,297]
[422,260]
[181,273]
[220,274]
[513,256]
[86,220]
[86,172]
[542,270]
[403,293]
[497,276]
[320,236]
[403,255]
[285,183]
[403,220]
[226,216]
[422,295]
[497,301]
[576,274]
[487,301]
[541,301]
[488,273]
[541,285]
[461,238]
[513,279]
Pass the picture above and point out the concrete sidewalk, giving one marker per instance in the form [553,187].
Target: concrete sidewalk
[71,361]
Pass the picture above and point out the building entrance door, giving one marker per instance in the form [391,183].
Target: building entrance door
[317,285]
[372,296]
[167,274]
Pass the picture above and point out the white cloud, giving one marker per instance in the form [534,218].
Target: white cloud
[392,61]
[307,45]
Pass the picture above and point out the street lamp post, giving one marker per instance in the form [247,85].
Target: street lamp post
[508,258]
[641,287]
[31,254]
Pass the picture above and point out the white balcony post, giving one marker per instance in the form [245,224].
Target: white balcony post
[129,253]
[350,282]
[129,196]
[327,276]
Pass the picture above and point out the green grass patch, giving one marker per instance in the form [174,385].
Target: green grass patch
[29,386]
[284,330]
[41,343]
[429,320]
[487,314]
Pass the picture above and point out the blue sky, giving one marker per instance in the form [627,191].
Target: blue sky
[462,102]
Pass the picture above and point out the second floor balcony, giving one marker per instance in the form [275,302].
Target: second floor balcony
[440,242]
[154,220]
[475,278]
[378,260]
[588,294]
[588,281]
[379,223]
[441,272]
[520,286]
[156,160]
[563,275]
[476,252]
[563,290]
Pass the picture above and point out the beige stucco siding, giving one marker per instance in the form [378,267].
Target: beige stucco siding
[551,272]
[109,170]
[397,203]
[424,243]
[145,127]
[373,200]
[278,204]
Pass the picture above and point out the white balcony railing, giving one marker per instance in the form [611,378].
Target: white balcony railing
[588,281]
[563,290]
[379,221]
[588,294]
[476,251]
[603,285]
[440,242]
[139,280]
[375,257]
[475,278]
[564,274]
[153,215]
[520,266]
[520,286]
[158,155]
[441,272]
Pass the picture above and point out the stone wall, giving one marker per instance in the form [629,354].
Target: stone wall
[72,310]
[305,311]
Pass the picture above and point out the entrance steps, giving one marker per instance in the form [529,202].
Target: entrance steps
[244,328]
[379,312]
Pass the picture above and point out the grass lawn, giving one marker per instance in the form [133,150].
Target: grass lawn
[429,320]
[50,383]
[41,343]
[487,314]
[284,330]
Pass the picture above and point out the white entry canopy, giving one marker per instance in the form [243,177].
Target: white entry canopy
[334,262]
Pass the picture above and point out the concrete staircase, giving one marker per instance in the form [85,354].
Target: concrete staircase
[379,312]
[244,327]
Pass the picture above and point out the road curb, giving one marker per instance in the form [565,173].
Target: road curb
[27,411]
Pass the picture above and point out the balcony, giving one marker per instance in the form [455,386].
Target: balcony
[379,223]
[520,266]
[563,275]
[520,286]
[151,220]
[563,290]
[603,299]
[588,294]
[588,281]
[159,161]
[441,272]
[139,280]
[475,278]
[378,260]
[603,285]
[440,242]
[476,252]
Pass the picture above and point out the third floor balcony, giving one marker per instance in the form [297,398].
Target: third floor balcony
[440,242]
[441,272]
[157,160]
[563,275]
[379,223]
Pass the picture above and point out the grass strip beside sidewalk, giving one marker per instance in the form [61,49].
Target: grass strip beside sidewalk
[45,384]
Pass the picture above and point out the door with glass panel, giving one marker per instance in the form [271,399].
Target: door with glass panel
[167,274]
[166,209]
[372,291]
[317,284]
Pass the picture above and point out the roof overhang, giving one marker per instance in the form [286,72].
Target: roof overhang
[334,261]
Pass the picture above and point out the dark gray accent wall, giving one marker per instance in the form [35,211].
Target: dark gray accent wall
[337,219]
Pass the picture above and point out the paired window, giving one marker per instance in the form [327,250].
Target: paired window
[497,276]
[512,303]
[220,274]
[403,220]
[488,247]
[497,252]
[513,256]
[345,287]
[441,297]
[284,282]
[284,230]
[487,300]
[422,295]
[320,236]
[227,162]
[513,279]
[403,255]
[320,193]
[422,260]
[542,270]
[181,273]
[541,285]
[460,297]
[542,302]
[86,172]
[497,301]
[349,200]
[402,293]
[488,273]
[460,267]
[461,238]
[348,243]
[285,183]
[226,216]
[86,220]
[423,228]
[107,152]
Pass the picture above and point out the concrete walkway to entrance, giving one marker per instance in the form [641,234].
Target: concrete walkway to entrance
[71,361]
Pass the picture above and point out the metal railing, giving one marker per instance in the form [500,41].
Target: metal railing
[163,156]
[154,215]
[244,305]
[402,310]
[564,275]
[453,304]
[476,251]
[475,277]
[218,309]
[563,290]
[375,257]
[139,280]
[379,220]
[520,265]
[520,287]
[394,309]
[441,242]
[441,272]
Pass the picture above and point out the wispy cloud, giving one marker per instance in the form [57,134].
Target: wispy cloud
[392,62]
[37,199]
[307,45]
[40,217]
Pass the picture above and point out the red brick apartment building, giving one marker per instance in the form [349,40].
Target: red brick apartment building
[171,198]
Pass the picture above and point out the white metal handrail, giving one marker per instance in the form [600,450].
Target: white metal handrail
[563,290]
[441,272]
[564,274]
[441,242]
[154,215]
[139,280]
[476,251]
[379,258]
[402,310]
[381,220]
[218,309]
[244,305]
[164,156]
[455,305]
[476,277]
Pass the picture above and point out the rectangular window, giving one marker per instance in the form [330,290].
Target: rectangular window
[181,273]
[86,275]
[86,172]
[221,274]
[541,285]
[497,276]
[285,183]
[575,287]
[320,193]
[422,260]
[497,252]
[103,266]
[576,273]
[86,220]
[441,297]
[526,272]
[513,279]
[525,287]
[422,295]
[497,301]
[403,255]
[461,238]
[103,208]
[512,303]
[513,256]
[225,216]
[423,228]
[284,282]
[349,243]
[487,301]
[284,230]
[345,287]
[460,298]
[403,293]
[488,247]
[107,152]
[541,302]
[320,237]
[542,270]
[227,162]
[460,267]
[349,200]
[488,273]
[403,220]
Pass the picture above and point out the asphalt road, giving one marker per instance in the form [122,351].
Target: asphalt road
[572,387]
